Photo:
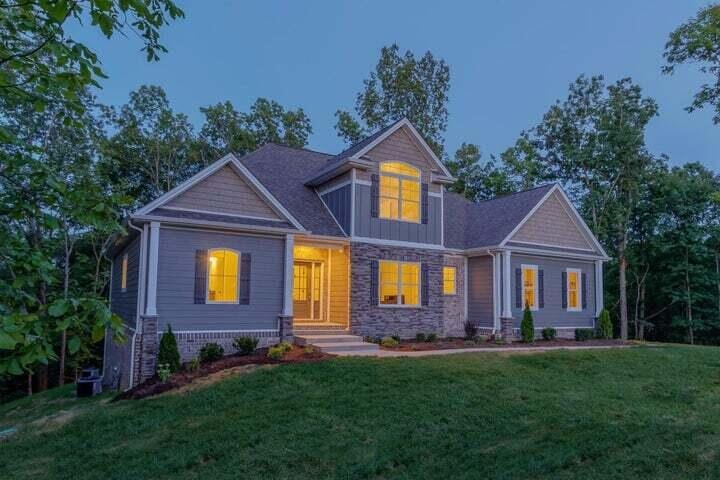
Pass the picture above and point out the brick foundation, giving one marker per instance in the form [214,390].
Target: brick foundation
[190,343]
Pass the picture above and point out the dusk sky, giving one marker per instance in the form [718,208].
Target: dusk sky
[509,61]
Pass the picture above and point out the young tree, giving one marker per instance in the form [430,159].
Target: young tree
[401,86]
[698,41]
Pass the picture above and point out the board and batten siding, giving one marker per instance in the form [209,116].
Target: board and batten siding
[224,192]
[124,303]
[339,203]
[176,282]
[553,314]
[367,226]
[480,291]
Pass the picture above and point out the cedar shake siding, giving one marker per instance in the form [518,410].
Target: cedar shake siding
[125,303]
[553,314]
[224,192]
[480,291]
[338,202]
[176,282]
[551,224]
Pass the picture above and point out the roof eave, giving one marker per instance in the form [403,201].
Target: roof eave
[328,174]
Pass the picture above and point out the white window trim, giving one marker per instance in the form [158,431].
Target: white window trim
[400,178]
[207,279]
[124,273]
[399,285]
[454,292]
[536,307]
[579,289]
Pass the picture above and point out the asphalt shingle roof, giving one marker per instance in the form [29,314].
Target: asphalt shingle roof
[212,217]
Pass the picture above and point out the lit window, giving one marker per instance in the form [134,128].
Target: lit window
[300,282]
[530,286]
[573,289]
[449,287]
[123,273]
[399,192]
[222,276]
[399,283]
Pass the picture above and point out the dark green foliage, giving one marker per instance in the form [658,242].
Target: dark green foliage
[168,353]
[549,333]
[584,334]
[419,337]
[527,326]
[471,329]
[211,352]
[395,337]
[245,345]
[389,342]
[431,337]
[605,327]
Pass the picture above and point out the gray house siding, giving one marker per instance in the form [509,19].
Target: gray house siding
[340,205]
[176,282]
[124,303]
[553,314]
[369,227]
[480,291]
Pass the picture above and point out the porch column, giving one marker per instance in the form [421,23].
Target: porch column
[151,306]
[506,318]
[599,300]
[285,329]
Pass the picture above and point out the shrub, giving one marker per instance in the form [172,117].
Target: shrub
[168,352]
[285,346]
[549,333]
[389,342]
[163,371]
[583,334]
[276,353]
[527,326]
[420,337]
[193,365]
[431,338]
[245,345]
[480,339]
[395,337]
[308,350]
[470,330]
[605,326]
[211,352]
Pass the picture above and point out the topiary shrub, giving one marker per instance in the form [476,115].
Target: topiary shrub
[389,342]
[527,326]
[211,352]
[470,330]
[583,334]
[168,353]
[419,337]
[605,326]
[549,333]
[245,345]
[431,338]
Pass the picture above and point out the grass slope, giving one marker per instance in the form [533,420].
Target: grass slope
[632,413]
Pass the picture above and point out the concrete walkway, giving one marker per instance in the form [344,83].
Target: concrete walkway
[451,351]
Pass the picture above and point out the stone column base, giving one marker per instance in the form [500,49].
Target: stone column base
[285,330]
[506,328]
[146,349]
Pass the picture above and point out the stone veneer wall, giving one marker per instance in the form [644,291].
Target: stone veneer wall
[190,343]
[367,319]
[454,305]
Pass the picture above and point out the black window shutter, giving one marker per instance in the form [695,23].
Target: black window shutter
[541,288]
[424,203]
[245,270]
[518,288]
[584,290]
[425,285]
[374,282]
[564,289]
[374,195]
[201,264]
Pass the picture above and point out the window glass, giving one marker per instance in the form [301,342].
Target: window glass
[449,280]
[529,280]
[222,276]
[400,168]
[399,283]
[573,289]
[399,192]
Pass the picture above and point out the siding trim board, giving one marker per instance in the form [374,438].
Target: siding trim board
[236,215]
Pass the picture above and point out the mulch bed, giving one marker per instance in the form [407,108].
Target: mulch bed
[154,386]
[454,343]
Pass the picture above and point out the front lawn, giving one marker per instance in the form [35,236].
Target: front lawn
[626,413]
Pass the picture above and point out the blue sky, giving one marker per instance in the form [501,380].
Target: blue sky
[509,60]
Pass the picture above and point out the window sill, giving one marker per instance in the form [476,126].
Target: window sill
[413,222]
[383,305]
[212,302]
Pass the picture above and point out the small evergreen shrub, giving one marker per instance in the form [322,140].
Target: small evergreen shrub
[168,352]
[389,342]
[245,345]
[527,326]
[285,346]
[549,333]
[605,326]
[419,337]
[583,334]
[163,371]
[395,337]
[431,338]
[193,365]
[211,352]
[470,330]
[276,353]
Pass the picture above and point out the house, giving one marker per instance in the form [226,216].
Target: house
[369,241]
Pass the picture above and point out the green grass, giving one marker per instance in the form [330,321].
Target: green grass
[632,413]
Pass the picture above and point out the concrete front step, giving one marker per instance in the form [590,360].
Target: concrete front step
[338,344]
[315,338]
[318,331]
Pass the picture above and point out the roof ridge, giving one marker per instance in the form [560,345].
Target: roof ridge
[275,144]
[508,195]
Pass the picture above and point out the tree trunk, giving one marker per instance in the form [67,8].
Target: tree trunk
[29,383]
[622,269]
[66,287]
[691,333]
[641,333]
[717,278]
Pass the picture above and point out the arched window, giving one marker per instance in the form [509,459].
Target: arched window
[222,285]
[399,191]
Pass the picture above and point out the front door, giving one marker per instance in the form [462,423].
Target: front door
[308,291]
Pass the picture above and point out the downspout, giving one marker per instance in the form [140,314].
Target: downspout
[137,316]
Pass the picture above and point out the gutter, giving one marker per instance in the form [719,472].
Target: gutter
[137,315]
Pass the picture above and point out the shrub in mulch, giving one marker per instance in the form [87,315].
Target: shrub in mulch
[154,386]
